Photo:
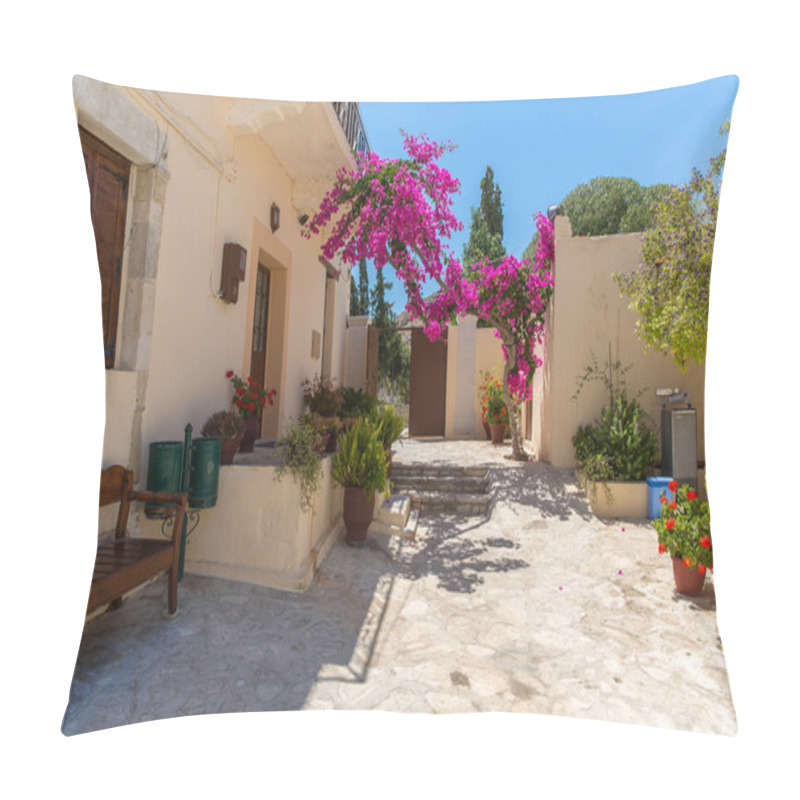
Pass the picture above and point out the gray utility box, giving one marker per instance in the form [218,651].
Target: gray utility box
[679,445]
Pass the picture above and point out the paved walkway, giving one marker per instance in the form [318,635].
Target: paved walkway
[541,608]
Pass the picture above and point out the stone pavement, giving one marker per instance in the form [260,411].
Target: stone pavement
[539,608]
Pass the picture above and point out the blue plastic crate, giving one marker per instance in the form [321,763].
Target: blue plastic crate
[657,487]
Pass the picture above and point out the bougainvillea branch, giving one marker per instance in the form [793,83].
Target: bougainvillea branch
[399,212]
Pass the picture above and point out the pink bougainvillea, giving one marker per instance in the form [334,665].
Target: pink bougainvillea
[399,211]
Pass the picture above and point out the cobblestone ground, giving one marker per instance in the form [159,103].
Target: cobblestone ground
[539,607]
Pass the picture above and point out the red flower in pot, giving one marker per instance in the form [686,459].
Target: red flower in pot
[684,531]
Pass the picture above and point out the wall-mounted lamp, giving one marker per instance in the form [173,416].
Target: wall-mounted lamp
[234,259]
[274,217]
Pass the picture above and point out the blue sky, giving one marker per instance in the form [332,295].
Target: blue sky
[541,149]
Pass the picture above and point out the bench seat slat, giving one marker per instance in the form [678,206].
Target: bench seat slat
[124,563]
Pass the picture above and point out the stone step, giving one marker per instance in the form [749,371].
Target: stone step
[395,516]
[449,484]
[394,510]
[463,503]
[400,470]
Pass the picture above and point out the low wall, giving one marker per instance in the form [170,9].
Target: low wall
[257,532]
[587,317]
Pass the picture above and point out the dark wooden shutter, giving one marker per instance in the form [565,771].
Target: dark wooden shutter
[108,173]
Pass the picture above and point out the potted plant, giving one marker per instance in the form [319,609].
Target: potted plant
[322,397]
[619,447]
[495,413]
[250,398]
[228,427]
[355,404]
[326,427]
[325,400]
[300,456]
[684,531]
[360,467]
[487,385]
[390,426]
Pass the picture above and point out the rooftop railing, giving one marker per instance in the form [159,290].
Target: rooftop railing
[350,120]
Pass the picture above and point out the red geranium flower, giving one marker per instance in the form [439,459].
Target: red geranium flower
[687,562]
[662,548]
[672,486]
[670,524]
[690,495]
[705,542]
[701,568]
[663,499]
[229,374]
[239,391]
[673,504]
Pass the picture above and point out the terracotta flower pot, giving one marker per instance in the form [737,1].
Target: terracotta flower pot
[687,581]
[358,512]
[252,428]
[498,432]
[322,447]
[227,450]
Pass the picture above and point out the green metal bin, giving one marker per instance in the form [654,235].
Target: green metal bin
[163,475]
[204,473]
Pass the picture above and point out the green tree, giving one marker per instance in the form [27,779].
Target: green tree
[670,289]
[394,355]
[355,305]
[611,205]
[359,293]
[486,232]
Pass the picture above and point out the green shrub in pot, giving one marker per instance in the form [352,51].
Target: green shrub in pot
[388,423]
[619,445]
[361,459]
[223,425]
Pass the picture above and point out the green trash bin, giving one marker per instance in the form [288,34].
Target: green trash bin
[163,475]
[204,473]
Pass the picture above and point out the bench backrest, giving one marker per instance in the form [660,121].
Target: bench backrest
[115,484]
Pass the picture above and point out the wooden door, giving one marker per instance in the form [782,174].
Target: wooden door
[426,412]
[258,355]
[108,174]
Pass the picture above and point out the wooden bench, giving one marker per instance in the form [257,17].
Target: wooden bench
[123,563]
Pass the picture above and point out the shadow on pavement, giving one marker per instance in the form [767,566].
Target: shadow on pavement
[233,647]
[553,492]
[449,549]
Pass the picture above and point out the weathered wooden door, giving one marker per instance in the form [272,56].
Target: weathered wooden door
[108,173]
[258,355]
[426,412]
